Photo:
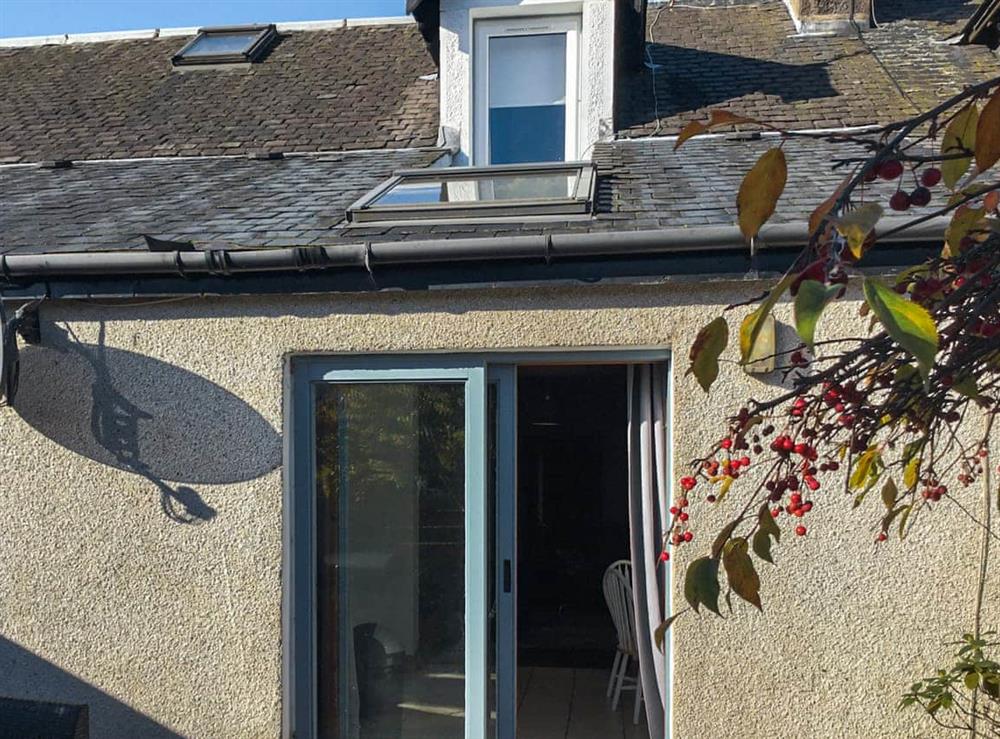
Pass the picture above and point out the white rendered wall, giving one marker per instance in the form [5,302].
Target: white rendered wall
[596,63]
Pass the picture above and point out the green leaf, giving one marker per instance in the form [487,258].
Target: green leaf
[753,323]
[742,576]
[767,523]
[966,386]
[708,345]
[889,494]
[972,680]
[701,584]
[909,324]
[762,546]
[760,190]
[960,135]
[723,537]
[766,529]
[812,298]
[660,634]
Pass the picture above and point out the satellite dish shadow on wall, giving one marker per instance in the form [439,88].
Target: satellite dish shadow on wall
[145,416]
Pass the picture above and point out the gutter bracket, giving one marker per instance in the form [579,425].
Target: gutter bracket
[548,250]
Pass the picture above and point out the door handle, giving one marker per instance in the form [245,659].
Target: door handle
[506,575]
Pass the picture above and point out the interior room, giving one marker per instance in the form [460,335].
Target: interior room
[572,524]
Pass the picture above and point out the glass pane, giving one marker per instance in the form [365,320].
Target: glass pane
[527,98]
[222,43]
[512,186]
[390,477]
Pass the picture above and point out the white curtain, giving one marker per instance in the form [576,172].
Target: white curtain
[647,509]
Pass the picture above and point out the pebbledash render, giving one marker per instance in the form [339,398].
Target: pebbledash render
[186,242]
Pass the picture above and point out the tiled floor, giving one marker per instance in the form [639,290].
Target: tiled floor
[553,703]
[564,703]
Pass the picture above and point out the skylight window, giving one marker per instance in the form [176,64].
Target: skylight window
[228,45]
[479,193]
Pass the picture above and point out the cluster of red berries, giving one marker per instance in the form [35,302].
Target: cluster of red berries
[681,534]
[934,491]
[920,196]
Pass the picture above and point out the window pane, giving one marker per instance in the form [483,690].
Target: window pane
[527,98]
[227,43]
[509,186]
[390,476]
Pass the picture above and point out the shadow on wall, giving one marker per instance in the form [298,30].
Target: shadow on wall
[145,416]
[25,675]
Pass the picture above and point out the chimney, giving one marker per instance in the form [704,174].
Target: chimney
[829,16]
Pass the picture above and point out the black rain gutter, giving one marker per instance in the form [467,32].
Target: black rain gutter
[15,268]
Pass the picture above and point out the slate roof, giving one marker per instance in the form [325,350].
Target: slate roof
[108,206]
[356,87]
[301,200]
[748,59]
[357,94]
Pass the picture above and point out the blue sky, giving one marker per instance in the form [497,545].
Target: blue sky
[45,17]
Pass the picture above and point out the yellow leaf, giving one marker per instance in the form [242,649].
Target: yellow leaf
[988,134]
[715,118]
[856,225]
[752,324]
[863,468]
[958,137]
[911,474]
[826,206]
[760,190]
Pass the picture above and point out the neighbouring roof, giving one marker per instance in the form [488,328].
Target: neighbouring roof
[359,102]
[355,87]
[748,59]
[301,200]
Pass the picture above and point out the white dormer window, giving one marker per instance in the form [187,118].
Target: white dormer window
[526,90]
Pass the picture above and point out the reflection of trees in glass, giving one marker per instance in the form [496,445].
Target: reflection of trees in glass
[397,452]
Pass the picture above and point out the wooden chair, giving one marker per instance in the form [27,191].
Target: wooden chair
[617,585]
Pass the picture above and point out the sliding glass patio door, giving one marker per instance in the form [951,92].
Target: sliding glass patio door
[387,547]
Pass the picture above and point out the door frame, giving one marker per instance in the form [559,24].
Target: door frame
[477,370]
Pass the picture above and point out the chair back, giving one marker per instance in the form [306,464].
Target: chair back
[617,585]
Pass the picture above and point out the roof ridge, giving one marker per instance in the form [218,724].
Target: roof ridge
[14,42]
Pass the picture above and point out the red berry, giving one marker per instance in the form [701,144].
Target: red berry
[711,498]
[800,530]
[930,177]
[882,536]
[890,169]
[920,197]
[727,443]
[674,510]
[745,461]
[688,536]
[683,516]
[775,512]
[683,503]
[664,556]
[871,174]
[899,201]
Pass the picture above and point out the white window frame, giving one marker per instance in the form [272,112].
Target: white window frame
[487,28]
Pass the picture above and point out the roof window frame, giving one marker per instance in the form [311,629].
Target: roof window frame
[366,211]
[266,35]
